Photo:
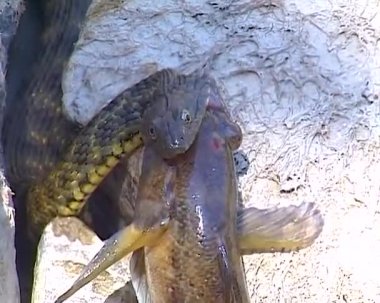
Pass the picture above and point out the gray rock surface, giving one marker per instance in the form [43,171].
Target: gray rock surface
[9,287]
[9,14]
[302,79]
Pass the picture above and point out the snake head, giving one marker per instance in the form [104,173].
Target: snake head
[172,122]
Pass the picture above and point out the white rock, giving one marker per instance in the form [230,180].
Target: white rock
[9,287]
[66,246]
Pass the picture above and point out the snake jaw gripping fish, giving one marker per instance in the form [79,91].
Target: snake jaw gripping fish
[112,134]
[186,237]
[61,164]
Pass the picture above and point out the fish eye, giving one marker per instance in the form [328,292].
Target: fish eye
[152,132]
[185,116]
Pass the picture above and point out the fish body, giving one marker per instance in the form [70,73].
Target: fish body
[187,235]
[197,259]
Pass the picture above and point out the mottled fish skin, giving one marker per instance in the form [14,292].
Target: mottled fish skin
[197,259]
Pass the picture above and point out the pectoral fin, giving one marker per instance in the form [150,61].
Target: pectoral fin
[282,229]
[139,278]
[121,244]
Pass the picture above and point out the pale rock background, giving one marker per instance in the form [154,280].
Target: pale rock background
[65,247]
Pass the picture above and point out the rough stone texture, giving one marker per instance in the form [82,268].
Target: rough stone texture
[66,246]
[303,80]
[9,15]
[9,288]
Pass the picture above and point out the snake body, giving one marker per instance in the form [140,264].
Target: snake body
[35,130]
[65,165]
[111,135]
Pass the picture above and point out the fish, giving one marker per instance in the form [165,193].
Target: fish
[188,234]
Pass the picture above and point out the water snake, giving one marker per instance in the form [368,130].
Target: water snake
[65,165]
[36,131]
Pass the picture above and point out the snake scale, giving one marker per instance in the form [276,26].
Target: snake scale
[77,160]
[36,131]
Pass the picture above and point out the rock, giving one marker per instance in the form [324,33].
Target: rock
[9,16]
[9,287]
[66,246]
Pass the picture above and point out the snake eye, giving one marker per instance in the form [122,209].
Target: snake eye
[185,116]
[152,132]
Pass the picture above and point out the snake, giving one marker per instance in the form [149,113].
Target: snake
[64,163]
